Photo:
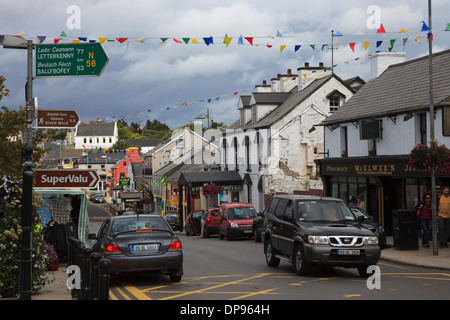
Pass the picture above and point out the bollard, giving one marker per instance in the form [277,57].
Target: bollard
[104,266]
[85,274]
[76,257]
[94,258]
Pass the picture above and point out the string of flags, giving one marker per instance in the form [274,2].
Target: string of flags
[227,40]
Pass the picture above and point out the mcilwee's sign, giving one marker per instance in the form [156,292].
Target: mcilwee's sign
[66,178]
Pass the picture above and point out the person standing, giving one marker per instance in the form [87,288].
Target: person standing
[444,217]
[424,214]
[360,203]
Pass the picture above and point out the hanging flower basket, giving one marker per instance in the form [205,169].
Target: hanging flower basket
[210,189]
[422,156]
[144,201]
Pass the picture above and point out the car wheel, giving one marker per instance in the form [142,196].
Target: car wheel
[206,233]
[176,275]
[186,231]
[363,271]
[269,250]
[302,268]
[220,235]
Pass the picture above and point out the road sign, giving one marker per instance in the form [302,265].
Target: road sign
[70,60]
[57,118]
[66,178]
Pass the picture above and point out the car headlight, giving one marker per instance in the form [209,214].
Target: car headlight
[371,240]
[234,225]
[318,239]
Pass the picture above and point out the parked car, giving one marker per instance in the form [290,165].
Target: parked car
[371,224]
[99,198]
[93,195]
[258,225]
[235,220]
[173,218]
[140,243]
[193,223]
[211,218]
[310,231]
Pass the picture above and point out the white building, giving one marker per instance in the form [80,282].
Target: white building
[94,135]
[274,144]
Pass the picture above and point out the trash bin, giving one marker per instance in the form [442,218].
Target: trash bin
[405,231]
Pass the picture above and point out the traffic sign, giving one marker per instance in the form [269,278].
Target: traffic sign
[66,178]
[70,60]
[57,118]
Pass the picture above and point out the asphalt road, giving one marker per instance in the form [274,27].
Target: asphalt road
[236,270]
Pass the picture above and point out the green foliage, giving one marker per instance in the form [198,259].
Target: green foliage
[11,234]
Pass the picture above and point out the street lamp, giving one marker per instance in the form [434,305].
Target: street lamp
[202,116]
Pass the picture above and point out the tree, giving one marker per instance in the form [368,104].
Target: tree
[12,128]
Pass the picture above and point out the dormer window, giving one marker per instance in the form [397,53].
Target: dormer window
[335,99]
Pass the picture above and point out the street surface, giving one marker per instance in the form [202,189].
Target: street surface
[236,270]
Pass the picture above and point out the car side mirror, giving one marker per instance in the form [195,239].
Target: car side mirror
[361,219]
[92,236]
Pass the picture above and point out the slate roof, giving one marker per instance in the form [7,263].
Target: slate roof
[96,129]
[295,98]
[400,89]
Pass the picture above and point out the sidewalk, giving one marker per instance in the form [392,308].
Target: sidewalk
[423,257]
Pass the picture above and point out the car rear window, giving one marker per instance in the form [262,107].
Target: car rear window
[241,213]
[214,213]
[323,211]
[141,223]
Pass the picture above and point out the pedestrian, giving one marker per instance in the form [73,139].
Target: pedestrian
[444,217]
[202,224]
[360,203]
[424,215]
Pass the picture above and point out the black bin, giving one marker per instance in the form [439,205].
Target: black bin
[405,232]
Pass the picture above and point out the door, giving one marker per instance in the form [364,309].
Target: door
[285,212]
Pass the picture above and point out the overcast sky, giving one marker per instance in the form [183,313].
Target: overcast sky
[147,75]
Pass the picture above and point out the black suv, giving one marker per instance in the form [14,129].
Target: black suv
[317,231]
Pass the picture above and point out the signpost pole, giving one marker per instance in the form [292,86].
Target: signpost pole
[27,197]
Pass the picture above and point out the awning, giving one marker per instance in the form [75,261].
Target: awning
[190,179]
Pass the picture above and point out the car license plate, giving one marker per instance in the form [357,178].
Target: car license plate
[248,231]
[144,247]
[348,252]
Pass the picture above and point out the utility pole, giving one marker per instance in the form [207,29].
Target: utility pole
[433,175]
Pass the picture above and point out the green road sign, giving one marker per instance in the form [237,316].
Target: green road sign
[70,60]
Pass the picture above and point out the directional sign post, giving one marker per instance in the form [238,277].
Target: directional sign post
[66,179]
[57,118]
[70,60]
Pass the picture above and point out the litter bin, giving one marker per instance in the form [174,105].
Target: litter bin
[404,224]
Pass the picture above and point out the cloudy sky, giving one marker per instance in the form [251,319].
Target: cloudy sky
[172,81]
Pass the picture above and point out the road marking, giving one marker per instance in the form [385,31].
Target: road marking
[139,294]
[351,295]
[215,287]
[268,291]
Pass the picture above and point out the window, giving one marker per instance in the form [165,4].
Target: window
[281,208]
[247,152]
[344,141]
[235,142]
[446,120]
[254,114]
[273,205]
[423,128]
[334,103]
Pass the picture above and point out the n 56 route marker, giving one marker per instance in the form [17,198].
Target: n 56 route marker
[70,60]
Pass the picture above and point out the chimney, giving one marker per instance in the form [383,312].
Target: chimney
[307,74]
[382,60]
[289,72]
[264,82]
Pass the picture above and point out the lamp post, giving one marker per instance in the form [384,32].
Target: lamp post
[432,137]
[202,116]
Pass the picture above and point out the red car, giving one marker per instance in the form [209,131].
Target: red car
[193,224]
[235,220]
[211,218]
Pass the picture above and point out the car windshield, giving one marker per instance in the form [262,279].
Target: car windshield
[241,213]
[138,223]
[323,210]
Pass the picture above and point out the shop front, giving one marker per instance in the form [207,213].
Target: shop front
[206,189]
[385,183]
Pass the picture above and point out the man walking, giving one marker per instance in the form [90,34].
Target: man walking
[444,217]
